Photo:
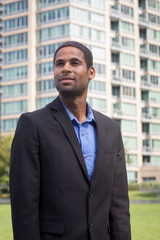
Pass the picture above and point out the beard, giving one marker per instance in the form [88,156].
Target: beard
[71,91]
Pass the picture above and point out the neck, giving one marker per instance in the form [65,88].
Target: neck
[77,106]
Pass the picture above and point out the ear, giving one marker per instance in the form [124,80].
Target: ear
[91,73]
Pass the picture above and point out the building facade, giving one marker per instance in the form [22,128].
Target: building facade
[124,37]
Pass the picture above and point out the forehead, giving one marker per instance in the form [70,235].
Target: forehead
[69,52]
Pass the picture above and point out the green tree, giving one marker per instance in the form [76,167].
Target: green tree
[5,148]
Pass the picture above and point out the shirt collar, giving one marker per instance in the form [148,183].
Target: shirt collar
[90,116]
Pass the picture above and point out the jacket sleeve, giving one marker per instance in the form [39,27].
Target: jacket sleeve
[25,180]
[119,217]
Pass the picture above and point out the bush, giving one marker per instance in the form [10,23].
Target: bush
[133,186]
[150,185]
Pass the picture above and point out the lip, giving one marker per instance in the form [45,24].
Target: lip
[66,79]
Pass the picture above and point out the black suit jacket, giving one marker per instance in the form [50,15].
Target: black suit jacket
[51,195]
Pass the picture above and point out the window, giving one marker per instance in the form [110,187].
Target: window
[127,10]
[155,128]
[156,145]
[129,126]
[154,19]
[9,125]
[127,42]
[15,56]
[155,80]
[14,90]
[53,33]
[132,176]
[47,50]
[153,4]
[53,15]
[87,33]
[155,112]
[115,58]
[45,86]
[97,86]
[15,40]
[41,102]
[15,23]
[127,27]
[116,91]
[98,104]
[154,49]
[129,92]
[149,179]
[87,16]
[129,109]
[127,59]
[11,74]
[155,160]
[154,96]
[16,7]
[44,69]
[14,107]
[131,160]
[98,52]
[154,65]
[130,143]
[129,75]
[153,34]
[100,69]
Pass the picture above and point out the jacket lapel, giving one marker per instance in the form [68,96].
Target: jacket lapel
[100,148]
[62,117]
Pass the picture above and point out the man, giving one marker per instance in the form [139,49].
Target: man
[68,176]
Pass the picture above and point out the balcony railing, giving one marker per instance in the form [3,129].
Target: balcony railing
[147,149]
[146,115]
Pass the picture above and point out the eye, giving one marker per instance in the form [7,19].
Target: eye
[74,63]
[59,64]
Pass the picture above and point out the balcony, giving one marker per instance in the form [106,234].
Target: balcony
[145,83]
[146,19]
[115,13]
[117,113]
[128,1]
[116,44]
[148,149]
[148,117]
[144,52]
[143,21]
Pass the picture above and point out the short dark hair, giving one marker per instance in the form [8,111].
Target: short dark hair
[87,53]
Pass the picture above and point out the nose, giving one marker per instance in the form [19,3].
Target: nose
[67,67]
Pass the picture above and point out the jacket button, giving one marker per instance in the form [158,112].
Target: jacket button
[91,224]
[91,194]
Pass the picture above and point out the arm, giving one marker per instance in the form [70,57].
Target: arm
[25,180]
[119,218]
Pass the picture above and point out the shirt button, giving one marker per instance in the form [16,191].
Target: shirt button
[91,194]
[85,155]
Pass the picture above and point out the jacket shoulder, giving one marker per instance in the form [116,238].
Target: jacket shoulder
[106,119]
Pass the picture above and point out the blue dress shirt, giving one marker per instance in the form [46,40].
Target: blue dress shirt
[87,137]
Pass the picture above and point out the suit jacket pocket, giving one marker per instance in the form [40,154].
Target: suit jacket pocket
[51,227]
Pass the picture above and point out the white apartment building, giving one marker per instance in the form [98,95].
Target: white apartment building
[124,37]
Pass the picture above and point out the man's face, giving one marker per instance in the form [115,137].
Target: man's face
[70,72]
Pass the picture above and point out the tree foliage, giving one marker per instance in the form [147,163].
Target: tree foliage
[5,148]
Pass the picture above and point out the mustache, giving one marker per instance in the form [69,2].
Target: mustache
[66,76]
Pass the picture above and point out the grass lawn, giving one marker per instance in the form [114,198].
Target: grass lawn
[145,221]
[5,222]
